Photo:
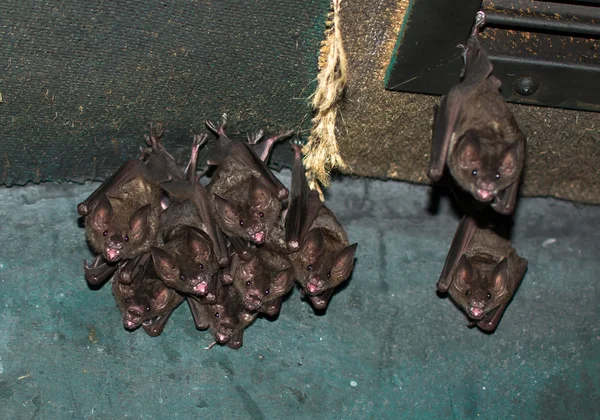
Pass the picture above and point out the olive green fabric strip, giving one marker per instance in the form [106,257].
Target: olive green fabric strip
[81,81]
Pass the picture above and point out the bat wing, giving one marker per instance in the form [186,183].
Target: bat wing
[478,69]
[156,325]
[505,201]
[478,66]
[241,248]
[245,154]
[201,201]
[98,271]
[129,171]
[199,313]
[446,115]
[460,242]
[304,205]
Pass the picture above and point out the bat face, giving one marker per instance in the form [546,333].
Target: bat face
[319,267]
[229,318]
[142,301]
[260,283]
[119,230]
[477,293]
[485,166]
[191,270]
[252,218]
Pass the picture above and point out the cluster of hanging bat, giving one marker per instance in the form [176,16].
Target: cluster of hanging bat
[478,138]
[232,249]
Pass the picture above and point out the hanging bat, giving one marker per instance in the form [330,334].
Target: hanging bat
[146,302]
[481,274]
[226,319]
[123,213]
[476,135]
[186,258]
[246,195]
[262,280]
[324,258]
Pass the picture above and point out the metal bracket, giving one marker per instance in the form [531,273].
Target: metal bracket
[545,53]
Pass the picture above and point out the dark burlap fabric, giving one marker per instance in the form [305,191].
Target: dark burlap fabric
[81,80]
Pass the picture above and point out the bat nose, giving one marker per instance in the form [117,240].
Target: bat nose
[201,288]
[487,185]
[135,311]
[116,241]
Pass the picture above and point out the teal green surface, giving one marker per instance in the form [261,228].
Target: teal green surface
[388,346]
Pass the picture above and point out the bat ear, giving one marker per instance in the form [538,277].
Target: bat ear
[283,279]
[103,214]
[313,245]
[259,195]
[139,221]
[463,273]
[198,244]
[162,297]
[249,268]
[511,157]
[500,277]
[469,151]
[227,211]
[165,264]
[343,264]
[125,289]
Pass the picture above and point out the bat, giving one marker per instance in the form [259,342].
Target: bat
[122,215]
[476,135]
[185,258]
[146,302]
[246,195]
[481,274]
[262,280]
[324,258]
[226,318]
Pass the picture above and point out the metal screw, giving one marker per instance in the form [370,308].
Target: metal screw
[526,86]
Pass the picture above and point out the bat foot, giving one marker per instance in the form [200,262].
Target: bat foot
[199,140]
[479,21]
[255,137]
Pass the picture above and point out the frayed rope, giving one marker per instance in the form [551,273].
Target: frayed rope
[321,153]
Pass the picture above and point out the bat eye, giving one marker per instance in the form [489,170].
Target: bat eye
[182,277]
[474,173]
[241,223]
[497,176]
[216,314]
[267,291]
[105,233]
[468,292]
[310,267]
[248,283]
[128,300]
[261,214]
[329,274]
[147,309]
[489,295]
[200,266]
[126,238]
